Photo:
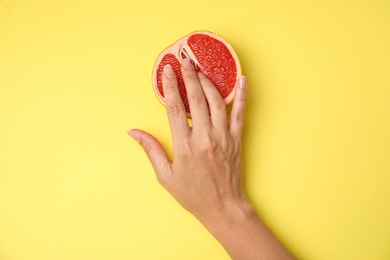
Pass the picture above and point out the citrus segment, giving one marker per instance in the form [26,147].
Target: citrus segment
[216,62]
[208,53]
[175,64]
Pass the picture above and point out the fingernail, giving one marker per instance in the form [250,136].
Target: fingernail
[134,135]
[242,82]
[201,75]
[187,64]
[168,71]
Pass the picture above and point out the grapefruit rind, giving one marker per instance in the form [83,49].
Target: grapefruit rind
[183,41]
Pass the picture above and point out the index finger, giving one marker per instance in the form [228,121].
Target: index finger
[176,112]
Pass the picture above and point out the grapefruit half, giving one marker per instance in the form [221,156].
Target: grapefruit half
[208,53]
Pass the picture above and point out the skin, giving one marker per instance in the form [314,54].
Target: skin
[205,176]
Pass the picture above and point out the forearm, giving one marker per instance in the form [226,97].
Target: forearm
[205,175]
[243,235]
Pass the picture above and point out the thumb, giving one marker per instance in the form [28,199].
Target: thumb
[155,152]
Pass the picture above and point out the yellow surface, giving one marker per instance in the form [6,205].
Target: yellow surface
[76,75]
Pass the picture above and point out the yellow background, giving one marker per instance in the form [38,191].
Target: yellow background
[76,75]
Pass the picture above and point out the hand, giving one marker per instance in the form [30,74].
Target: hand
[206,172]
[205,175]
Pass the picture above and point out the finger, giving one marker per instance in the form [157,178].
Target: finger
[177,115]
[156,154]
[196,99]
[237,114]
[216,103]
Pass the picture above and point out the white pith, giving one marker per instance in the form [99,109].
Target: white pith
[182,44]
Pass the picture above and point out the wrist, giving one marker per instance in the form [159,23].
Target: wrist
[229,214]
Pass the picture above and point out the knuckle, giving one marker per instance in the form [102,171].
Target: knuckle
[147,147]
[219,105]
[239,117]
[170,85]
[190,76]
[175,108]
[186,148]
[197,99]
[209,145]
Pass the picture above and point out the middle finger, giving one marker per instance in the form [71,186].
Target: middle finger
[196,98]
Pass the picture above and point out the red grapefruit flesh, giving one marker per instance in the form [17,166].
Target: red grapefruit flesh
[210,54]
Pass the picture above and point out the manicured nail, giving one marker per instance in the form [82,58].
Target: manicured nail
[168,71]
[201,75]
[187,64]
[134,135]
[242,82]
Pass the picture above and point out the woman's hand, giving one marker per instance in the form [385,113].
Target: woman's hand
[205,175]
[206,172]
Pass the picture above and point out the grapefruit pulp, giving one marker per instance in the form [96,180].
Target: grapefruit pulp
[208,53]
